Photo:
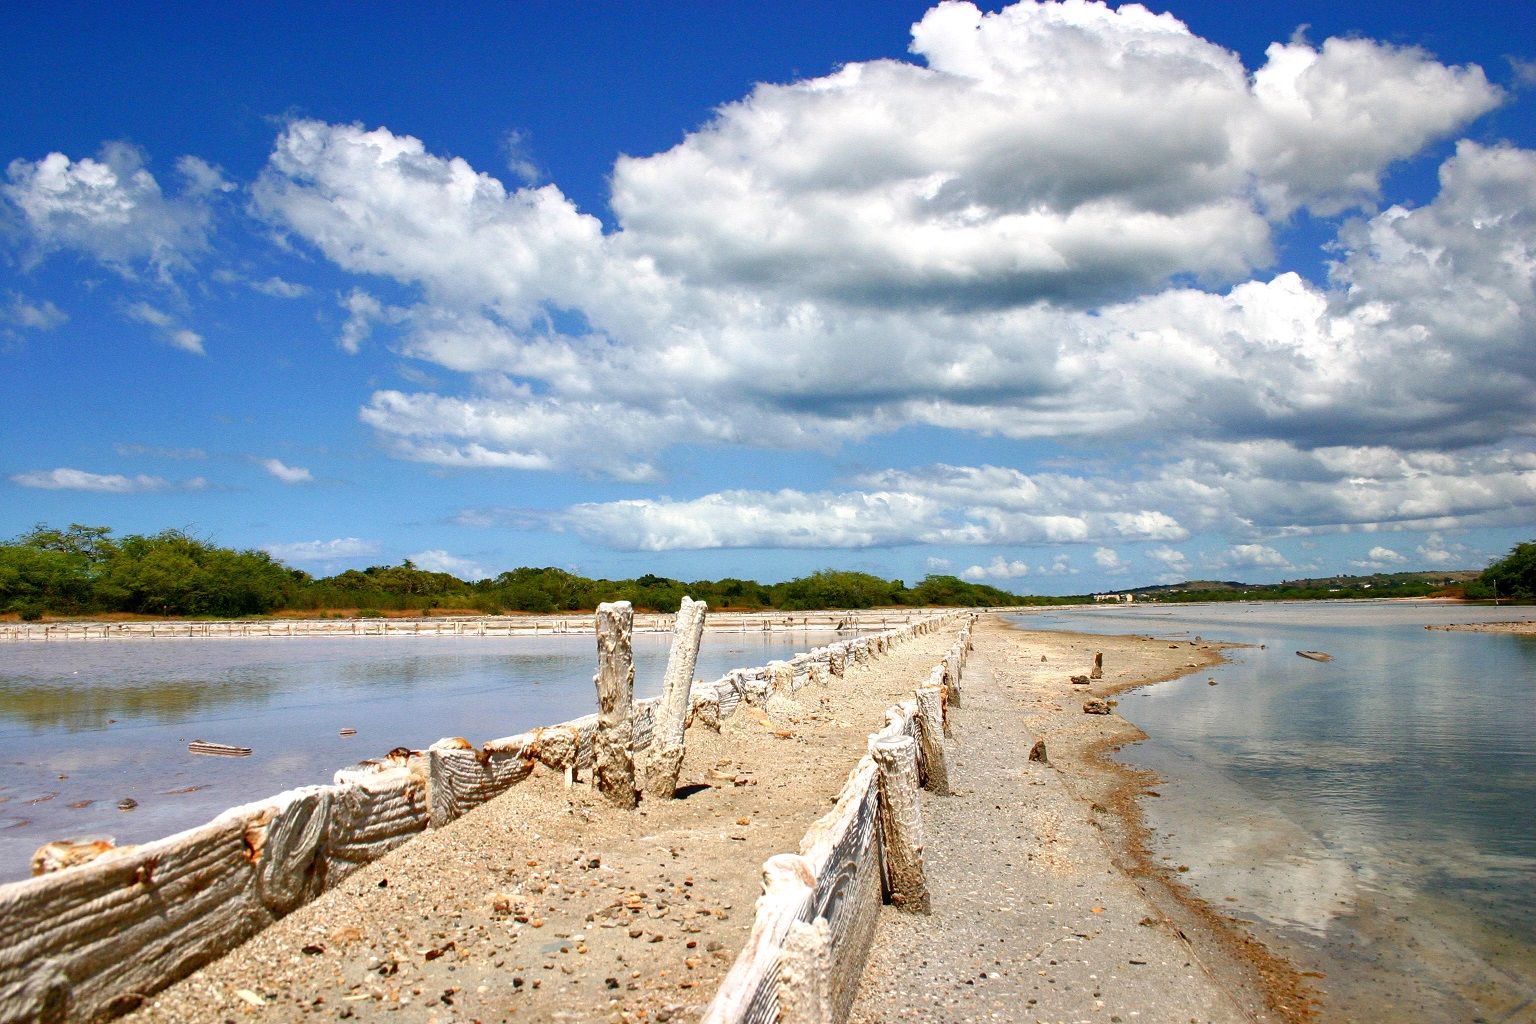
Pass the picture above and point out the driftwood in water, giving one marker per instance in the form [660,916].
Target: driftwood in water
[614,771]
[1316,655]
[671,719]
[219,749]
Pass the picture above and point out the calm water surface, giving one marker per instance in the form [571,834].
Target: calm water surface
[89,723]
[1373,817]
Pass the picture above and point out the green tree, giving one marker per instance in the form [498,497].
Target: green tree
[1512,576]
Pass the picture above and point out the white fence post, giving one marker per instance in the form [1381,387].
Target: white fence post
[930,736]
[614,771]
[666,756]
[901,822]
[805,968]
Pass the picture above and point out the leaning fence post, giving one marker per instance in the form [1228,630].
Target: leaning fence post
[613,746]
[805,969]
[666,759]
[901,822]
[930,735]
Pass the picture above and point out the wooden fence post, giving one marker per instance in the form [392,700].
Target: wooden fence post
[930,736]
[901,823]
[666,759]
[613,745]
[805,969]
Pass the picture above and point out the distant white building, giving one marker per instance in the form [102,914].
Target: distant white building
[1120,598]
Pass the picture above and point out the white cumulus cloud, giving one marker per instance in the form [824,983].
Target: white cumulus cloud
[438,560]
[18,311]
[280,289]
[287,474]
[999,568]
[1109,560]
[64,479]
[988,235]
[113,209]
[324,550]
[170,328]
[1252,556]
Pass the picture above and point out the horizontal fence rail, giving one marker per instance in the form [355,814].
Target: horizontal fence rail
[445,625]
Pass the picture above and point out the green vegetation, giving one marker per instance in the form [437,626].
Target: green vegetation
[1377,585]
[1513,576]
[84,570]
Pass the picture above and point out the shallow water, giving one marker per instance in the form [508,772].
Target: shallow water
[1374,817]
[99,721]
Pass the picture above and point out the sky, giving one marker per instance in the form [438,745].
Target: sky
[1060,297]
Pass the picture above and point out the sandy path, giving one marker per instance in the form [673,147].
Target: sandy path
[548,904]
[1035,916]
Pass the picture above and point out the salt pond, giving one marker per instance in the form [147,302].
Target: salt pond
[84,725]
[1373,817]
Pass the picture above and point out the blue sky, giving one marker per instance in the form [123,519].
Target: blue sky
[1058,297]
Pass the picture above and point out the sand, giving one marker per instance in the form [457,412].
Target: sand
[1036,915]
[548,904]
[1523,628]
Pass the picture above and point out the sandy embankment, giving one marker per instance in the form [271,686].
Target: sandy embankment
[1047,904]
[548,904]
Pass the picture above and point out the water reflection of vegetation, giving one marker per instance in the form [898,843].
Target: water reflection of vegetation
[45,706]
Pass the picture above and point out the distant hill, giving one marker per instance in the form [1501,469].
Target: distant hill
[1380,584]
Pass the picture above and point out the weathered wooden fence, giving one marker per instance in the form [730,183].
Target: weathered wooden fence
[94,940]
[816,918]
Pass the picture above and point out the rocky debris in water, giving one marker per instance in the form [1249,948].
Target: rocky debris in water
[127,803]
[1096,706]
[1210,682]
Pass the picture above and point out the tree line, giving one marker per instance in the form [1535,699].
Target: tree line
[85,570]
[1511,577]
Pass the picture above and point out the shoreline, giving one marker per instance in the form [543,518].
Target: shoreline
[546,899]
[1523,627]
[1112,792]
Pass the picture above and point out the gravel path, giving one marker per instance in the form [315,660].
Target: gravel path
[1031,920]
